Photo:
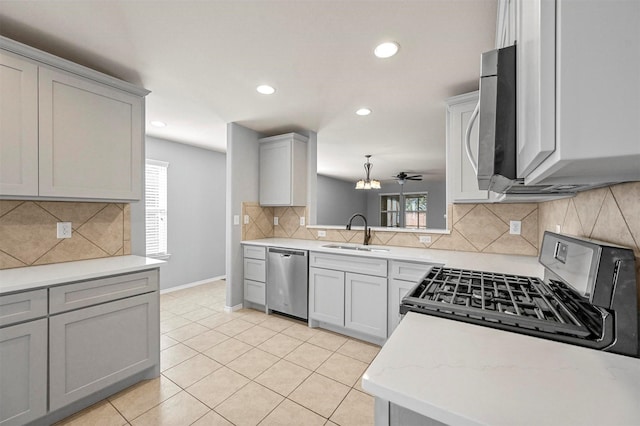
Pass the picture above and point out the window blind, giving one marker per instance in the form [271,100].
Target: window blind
[156,207]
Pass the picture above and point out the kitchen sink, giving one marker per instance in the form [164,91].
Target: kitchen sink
[355,247]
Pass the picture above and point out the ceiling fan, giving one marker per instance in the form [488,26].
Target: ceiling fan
[402,177]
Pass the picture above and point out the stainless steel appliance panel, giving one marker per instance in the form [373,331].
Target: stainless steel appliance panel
[287,281]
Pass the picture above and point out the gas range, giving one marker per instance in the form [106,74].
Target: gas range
[588,296]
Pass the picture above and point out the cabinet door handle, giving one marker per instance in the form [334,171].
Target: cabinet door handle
[467,139]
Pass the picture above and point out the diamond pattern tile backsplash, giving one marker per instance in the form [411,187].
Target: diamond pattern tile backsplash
[609,214]
[476,228]
[28,232]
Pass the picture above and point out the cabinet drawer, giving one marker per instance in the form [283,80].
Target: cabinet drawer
[255,252]
[255,270]
[22,306]
[357,264]
[92,292]
[409,271]
[254,291]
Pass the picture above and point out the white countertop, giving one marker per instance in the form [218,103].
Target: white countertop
[464,374]
[31,277]
[503,263]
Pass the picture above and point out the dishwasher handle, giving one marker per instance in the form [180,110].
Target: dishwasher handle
[287,252]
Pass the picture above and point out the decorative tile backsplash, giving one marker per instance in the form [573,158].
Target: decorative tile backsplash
[28,232]
[476,228]
[609,214]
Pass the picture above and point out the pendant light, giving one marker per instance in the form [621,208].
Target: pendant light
[368,183]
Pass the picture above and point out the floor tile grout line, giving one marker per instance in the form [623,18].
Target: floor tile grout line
[118,411]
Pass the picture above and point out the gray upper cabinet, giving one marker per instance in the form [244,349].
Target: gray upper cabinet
[283,170]
[90,139]
[18,125]
[462,183]
[67,132]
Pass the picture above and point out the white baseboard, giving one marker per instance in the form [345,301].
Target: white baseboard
[233,308]
[193,284]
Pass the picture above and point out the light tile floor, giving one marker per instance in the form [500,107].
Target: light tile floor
[241,368]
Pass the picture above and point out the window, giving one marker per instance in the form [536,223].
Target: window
[415,211]
[404,210]
[390,210]
[156,208]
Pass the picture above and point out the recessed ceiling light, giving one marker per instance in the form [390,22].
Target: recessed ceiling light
[386,50]
[363,111]
[266,90]
[157,123]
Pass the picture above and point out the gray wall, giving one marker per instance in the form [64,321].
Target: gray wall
[338,200]
[195,211]
[242,185]
[195,237]
[436,201]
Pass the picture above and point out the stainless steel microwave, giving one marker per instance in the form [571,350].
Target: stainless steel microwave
[496,166]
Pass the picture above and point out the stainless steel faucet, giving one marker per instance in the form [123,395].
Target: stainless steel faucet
[367,231]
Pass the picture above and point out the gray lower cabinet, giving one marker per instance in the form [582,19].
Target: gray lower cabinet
[23,372]
[95,347]
[397,290]
[354,301]
[326,296]
[366,304]
[255,274]
[403,276]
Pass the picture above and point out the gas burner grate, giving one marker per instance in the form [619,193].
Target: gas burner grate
[513,300]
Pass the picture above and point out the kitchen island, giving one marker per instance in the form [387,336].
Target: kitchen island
[463,374]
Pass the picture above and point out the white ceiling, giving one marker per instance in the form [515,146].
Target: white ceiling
[202,60]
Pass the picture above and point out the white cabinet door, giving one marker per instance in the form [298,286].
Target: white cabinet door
[326,296]
[90,139]
[366,304]
[92,348]
[536,89]
[283,170]
[23,372]
[462,182]
[397,290]
[275,173]
[18,126]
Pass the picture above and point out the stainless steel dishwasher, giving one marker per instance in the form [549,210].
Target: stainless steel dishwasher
[287,281]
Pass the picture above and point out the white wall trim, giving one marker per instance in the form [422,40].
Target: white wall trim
[229,309]
[193,284]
